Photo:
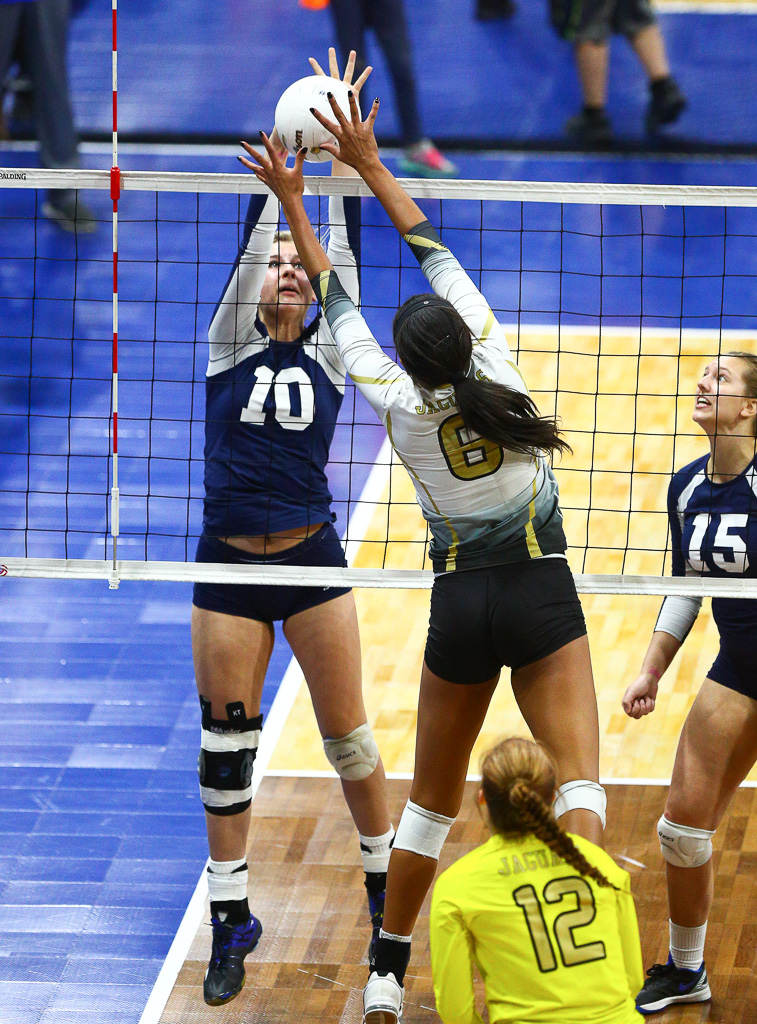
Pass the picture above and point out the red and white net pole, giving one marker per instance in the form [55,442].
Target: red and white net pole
[115,192]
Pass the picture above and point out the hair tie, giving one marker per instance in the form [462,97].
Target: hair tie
[415,303]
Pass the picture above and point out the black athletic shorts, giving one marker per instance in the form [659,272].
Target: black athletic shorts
[593,21]
[262,601]
[513,614]
[736,667]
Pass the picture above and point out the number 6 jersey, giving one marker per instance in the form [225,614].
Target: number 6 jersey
[271,406]
[485,505]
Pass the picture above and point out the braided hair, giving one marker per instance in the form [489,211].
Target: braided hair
[435,346]
[518,782]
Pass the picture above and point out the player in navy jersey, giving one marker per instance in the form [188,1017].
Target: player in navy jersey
[712,506]
[274,388]
[460,418]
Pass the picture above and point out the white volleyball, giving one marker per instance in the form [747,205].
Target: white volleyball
[295,124]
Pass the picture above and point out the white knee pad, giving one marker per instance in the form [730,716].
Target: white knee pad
[584,795]
[421,831]
[684,846]
[355,755]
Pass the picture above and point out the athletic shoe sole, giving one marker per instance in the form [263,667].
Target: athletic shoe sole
[382,1016]
[699,996]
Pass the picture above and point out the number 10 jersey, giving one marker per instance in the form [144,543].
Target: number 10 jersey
[271,406]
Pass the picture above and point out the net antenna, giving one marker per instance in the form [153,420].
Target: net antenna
[611,351]
[115,192]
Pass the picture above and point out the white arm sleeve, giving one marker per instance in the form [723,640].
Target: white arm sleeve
[233,322]
[375,374]
[340,251]
[677,616]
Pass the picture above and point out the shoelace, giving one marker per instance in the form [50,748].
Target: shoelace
[221,942]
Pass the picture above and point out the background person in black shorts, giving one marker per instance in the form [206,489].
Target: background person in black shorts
[588,24]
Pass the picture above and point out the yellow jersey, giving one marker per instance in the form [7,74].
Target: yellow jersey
[552,946]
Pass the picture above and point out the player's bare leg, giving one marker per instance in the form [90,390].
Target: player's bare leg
[450,717]
[557,699]
[717,748]
[326,642]
[231,655]
[716,751]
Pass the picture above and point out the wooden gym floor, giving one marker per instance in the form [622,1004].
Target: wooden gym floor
[305,878]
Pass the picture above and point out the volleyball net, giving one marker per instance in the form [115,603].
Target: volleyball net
[613,298]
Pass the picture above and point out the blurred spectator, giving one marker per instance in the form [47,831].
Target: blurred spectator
[352,18]
[36,32]
[588,26]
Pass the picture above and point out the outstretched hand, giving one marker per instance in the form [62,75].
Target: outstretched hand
[286,183]
[349,70]
[355,141]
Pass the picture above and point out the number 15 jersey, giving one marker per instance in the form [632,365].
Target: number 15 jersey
[713,532]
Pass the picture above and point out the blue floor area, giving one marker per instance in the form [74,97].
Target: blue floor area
[481,81]
[101,828]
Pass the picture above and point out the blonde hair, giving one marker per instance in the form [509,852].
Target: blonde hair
[749,375]
[283,236]
[518,782]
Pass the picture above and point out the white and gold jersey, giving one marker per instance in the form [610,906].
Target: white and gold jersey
[484,505]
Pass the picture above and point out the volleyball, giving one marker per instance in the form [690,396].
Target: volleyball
[296,126]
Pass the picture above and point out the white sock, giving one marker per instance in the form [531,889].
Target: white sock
[227,880]
[687,946]
[375,851]
[394,938]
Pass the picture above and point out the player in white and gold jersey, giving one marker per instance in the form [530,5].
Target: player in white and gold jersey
[547,917]
[460,417]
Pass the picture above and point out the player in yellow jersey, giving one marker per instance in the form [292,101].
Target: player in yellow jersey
[547,917]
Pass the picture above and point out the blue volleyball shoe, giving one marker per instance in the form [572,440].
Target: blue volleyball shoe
[667,984]
[231,944]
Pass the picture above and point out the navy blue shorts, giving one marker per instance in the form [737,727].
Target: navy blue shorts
[736,667]
[268,602]
[512,614]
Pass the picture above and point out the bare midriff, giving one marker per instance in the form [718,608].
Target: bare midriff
[273,543]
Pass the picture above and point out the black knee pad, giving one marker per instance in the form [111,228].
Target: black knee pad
[227,757]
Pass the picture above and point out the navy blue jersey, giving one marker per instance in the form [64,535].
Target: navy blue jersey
[714,533]
[271,407]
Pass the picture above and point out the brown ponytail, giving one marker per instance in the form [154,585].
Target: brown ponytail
[518,781]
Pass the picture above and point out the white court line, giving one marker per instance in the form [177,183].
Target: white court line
[272,730]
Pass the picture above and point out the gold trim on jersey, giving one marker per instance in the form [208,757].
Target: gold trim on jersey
[452,553]
[533,544]
[424,243]
[490,321]
[374,380]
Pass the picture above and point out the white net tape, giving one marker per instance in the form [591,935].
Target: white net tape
[612,296]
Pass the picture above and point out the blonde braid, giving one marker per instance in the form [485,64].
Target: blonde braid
[540,820]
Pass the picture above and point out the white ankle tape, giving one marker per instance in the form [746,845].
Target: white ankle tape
[394,938]
[421,831]
[227,880]
[376,850]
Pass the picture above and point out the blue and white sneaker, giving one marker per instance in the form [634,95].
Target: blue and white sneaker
[667,984]
[231,944]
